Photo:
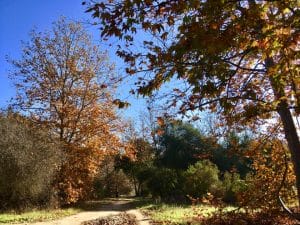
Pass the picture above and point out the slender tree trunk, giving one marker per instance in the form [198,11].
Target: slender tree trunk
[135,187]
[139,189]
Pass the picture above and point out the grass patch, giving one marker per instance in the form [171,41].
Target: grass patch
[179,214]
[36,215]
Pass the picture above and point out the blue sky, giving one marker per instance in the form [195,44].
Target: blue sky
[18,17]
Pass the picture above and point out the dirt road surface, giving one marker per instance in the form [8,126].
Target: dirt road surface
[94,211]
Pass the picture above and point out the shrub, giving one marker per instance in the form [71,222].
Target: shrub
[233,186]
[29,160]
[201,178]
[165,183]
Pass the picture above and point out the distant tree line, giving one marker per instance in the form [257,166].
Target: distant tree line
[187,166]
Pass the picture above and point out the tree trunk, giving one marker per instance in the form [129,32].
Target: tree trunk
[139,189]
[288,123]
[135,187]
[292,138]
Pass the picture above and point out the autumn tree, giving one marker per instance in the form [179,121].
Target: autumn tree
[239,58]
[65,82]
[272,174]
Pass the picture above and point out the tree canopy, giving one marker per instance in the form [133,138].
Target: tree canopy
[182,145]
[65,83]
[240,58]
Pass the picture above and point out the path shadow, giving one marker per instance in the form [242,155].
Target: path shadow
[121,204]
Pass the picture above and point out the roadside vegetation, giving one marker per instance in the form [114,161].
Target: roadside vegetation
[180,214]
[203,214]
[36,215]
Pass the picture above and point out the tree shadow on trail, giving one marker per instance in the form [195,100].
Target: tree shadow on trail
[117,204]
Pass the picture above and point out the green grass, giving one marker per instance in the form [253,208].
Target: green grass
[179,214]
[36,215]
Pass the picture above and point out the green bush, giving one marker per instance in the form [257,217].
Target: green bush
[202,178]
[29,160]
[165,183]
[233,185]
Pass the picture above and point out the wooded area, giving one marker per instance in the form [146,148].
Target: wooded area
[220,128]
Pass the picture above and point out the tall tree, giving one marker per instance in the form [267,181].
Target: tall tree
[182,145]
[65,82]
[238,57]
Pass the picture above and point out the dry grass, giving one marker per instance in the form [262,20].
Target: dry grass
[36,215]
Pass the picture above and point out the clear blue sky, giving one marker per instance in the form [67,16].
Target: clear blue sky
[18,17]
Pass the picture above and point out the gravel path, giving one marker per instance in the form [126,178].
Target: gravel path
[113,208]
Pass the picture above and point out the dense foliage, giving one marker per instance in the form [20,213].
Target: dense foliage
[29,161]
[110,180]
[238,169]
[239,58]
[202,178]
[181,145]
[272,176]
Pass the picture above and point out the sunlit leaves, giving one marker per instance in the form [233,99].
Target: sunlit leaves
[66,83]
[272,176]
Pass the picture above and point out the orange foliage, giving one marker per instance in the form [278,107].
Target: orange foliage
[273,175]
[64,82]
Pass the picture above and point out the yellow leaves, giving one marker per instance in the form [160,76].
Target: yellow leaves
[283,31]
[286,11]
[262,44]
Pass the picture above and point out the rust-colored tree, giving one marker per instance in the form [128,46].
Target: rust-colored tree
[272,175]
[240,58]
[65,82]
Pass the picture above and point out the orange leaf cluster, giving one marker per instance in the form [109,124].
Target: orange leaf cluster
[273,176]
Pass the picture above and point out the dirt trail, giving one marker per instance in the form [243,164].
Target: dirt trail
[102,210]
[142,220]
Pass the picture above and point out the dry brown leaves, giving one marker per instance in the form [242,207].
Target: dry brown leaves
[121,219]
